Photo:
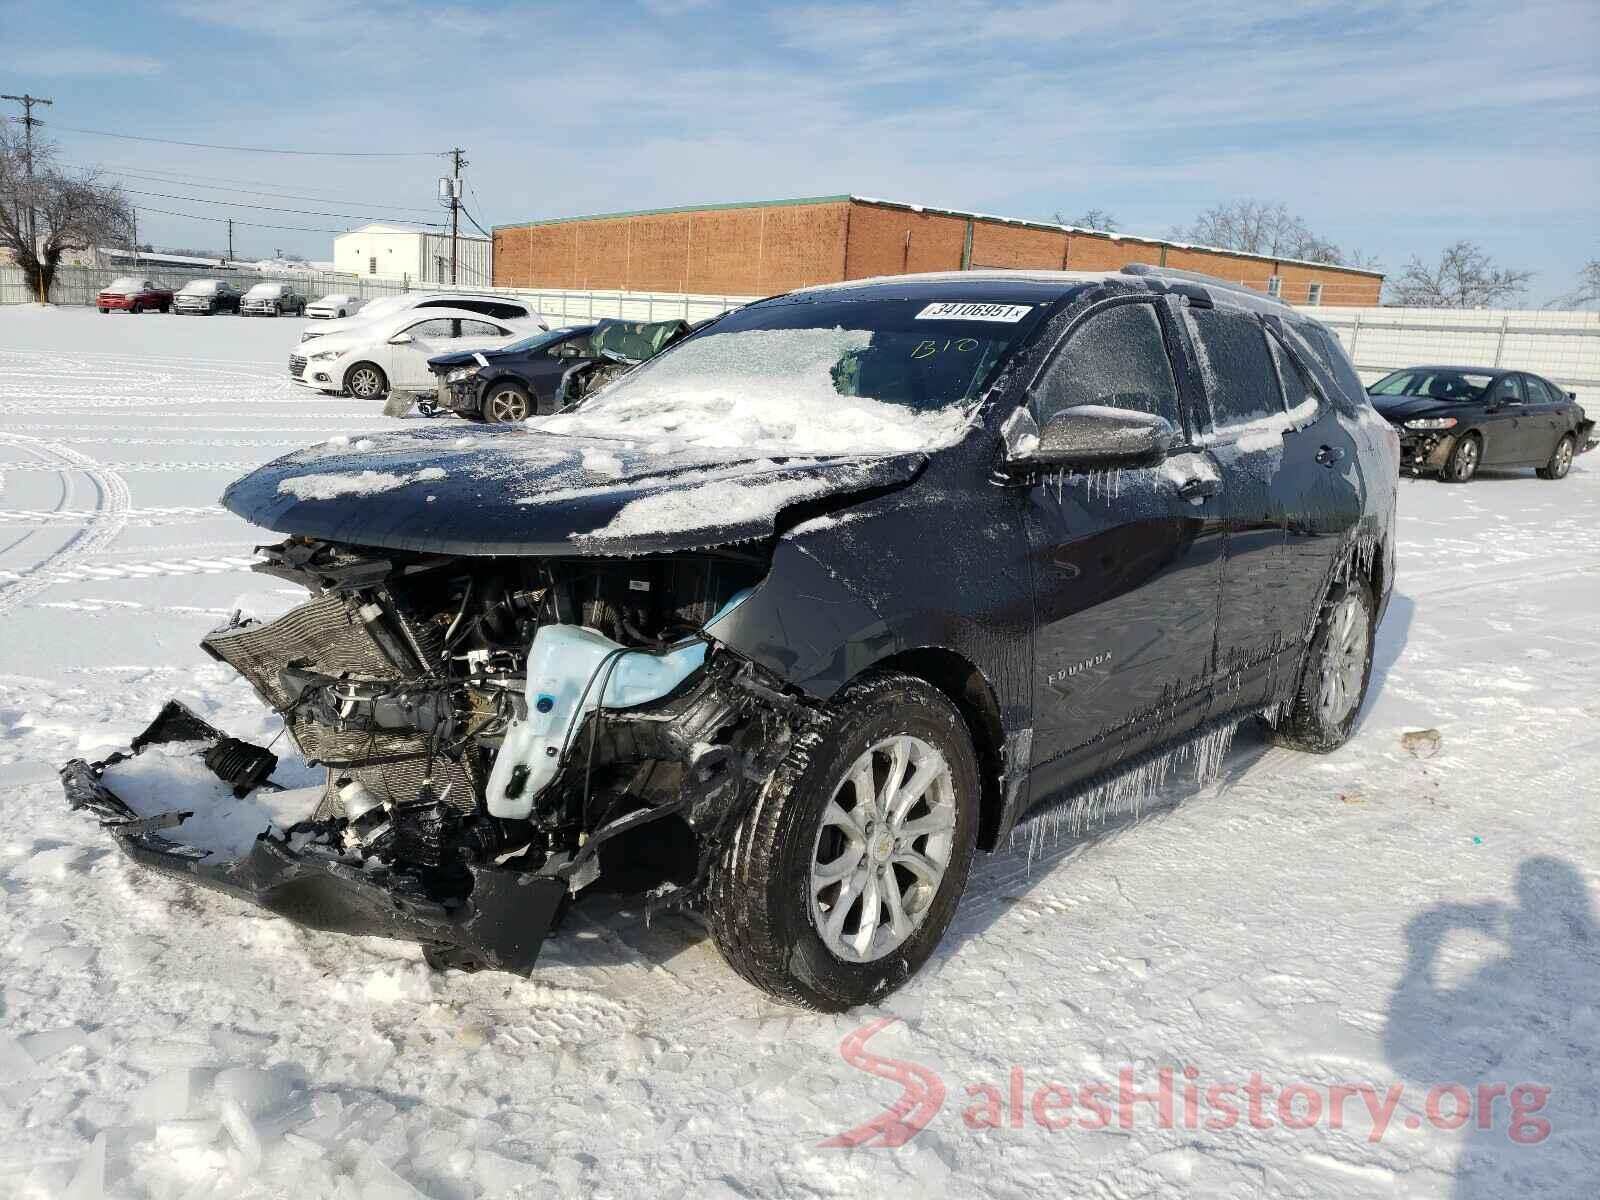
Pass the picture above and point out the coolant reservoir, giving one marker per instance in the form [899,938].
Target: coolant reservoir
[567,667]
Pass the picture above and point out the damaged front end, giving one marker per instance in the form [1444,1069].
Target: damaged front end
[499,735]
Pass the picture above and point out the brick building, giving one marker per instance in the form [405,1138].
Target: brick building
[772,246]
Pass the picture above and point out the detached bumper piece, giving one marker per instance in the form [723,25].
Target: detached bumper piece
[498,922]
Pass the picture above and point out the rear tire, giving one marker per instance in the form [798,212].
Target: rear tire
[1464,460]
[1334,674]
[366,381]
[789,895]
[1560,459]
[505,401]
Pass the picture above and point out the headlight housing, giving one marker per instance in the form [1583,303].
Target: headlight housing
[1432,423]
[322,355]
[461,374]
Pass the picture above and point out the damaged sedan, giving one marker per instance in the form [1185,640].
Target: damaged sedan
[787,623]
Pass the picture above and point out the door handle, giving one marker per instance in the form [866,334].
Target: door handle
[1328,455]
[1198,488]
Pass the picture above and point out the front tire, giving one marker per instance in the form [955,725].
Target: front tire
[837,884]
[1334,674]
[1560,460]
[1463,462]
[505,402]
[135,309]
[366,381]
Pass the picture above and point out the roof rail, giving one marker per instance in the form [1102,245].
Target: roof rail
[1198,277]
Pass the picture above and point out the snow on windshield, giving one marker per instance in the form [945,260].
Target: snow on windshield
[200,287]
[264,289]
[125,284]
[780,391]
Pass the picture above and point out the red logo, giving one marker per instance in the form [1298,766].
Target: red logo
[907,1116]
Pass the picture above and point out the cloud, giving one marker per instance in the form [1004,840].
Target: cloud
[66,60]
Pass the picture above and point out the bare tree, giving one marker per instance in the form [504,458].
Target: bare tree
[1587,291]
[1093,218]
[1256,227]
[73,210]
[1464,277]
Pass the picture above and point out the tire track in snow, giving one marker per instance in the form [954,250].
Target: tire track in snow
[153,568]
[115,501]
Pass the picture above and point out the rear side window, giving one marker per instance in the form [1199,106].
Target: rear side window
[1537,392]
[482,329]
[1240,377]
[1116,358]
[1505,391]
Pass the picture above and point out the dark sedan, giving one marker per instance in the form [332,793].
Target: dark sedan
[545,372]
[1453,420]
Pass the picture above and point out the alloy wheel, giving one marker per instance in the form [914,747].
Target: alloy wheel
[364,383]
[508,404]
[1563,458]
[1344,661]
[1467,460]
[883,848]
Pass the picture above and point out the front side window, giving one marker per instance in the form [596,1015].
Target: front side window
[1116,358]
[1296,391]
[1506,390]
[1239,376]
[819,376]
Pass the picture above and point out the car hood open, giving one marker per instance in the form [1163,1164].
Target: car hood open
[519,490]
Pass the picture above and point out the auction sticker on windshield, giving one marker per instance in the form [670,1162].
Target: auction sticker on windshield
[960,310]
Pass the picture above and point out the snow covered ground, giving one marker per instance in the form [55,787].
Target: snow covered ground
[1419,923]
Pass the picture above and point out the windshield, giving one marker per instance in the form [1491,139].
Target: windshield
[540,341]
[124,284]
[264,289]
[821,377]
[1434,384]
[335,299]
[200,287]
[374,309]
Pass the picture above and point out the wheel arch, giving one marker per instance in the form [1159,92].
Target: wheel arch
[965,686]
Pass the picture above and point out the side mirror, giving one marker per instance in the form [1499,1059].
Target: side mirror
[1097,436]
[401,339]
[568,351]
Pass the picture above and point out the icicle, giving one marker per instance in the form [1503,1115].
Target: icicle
[1126,793]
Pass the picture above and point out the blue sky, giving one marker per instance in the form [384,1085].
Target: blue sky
[1394,127]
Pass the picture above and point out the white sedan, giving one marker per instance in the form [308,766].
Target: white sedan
[391,355]
[489,307]
[331,308]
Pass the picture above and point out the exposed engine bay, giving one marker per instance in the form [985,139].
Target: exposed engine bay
[567,719]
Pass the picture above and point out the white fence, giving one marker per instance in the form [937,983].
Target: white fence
[1564,347]
[79,285]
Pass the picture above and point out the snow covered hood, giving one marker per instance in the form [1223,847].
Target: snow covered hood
[519,490]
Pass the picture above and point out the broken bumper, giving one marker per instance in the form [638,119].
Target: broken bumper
[499,925]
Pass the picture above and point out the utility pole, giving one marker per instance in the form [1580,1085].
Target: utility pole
[230,239]
[135,236]
[28,122]
[455,206]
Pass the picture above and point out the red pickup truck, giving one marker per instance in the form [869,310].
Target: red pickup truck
[134,294]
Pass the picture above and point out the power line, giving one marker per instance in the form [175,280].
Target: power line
[304,212]
[191,178]
[167,212]
[191,181]
[132,137]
